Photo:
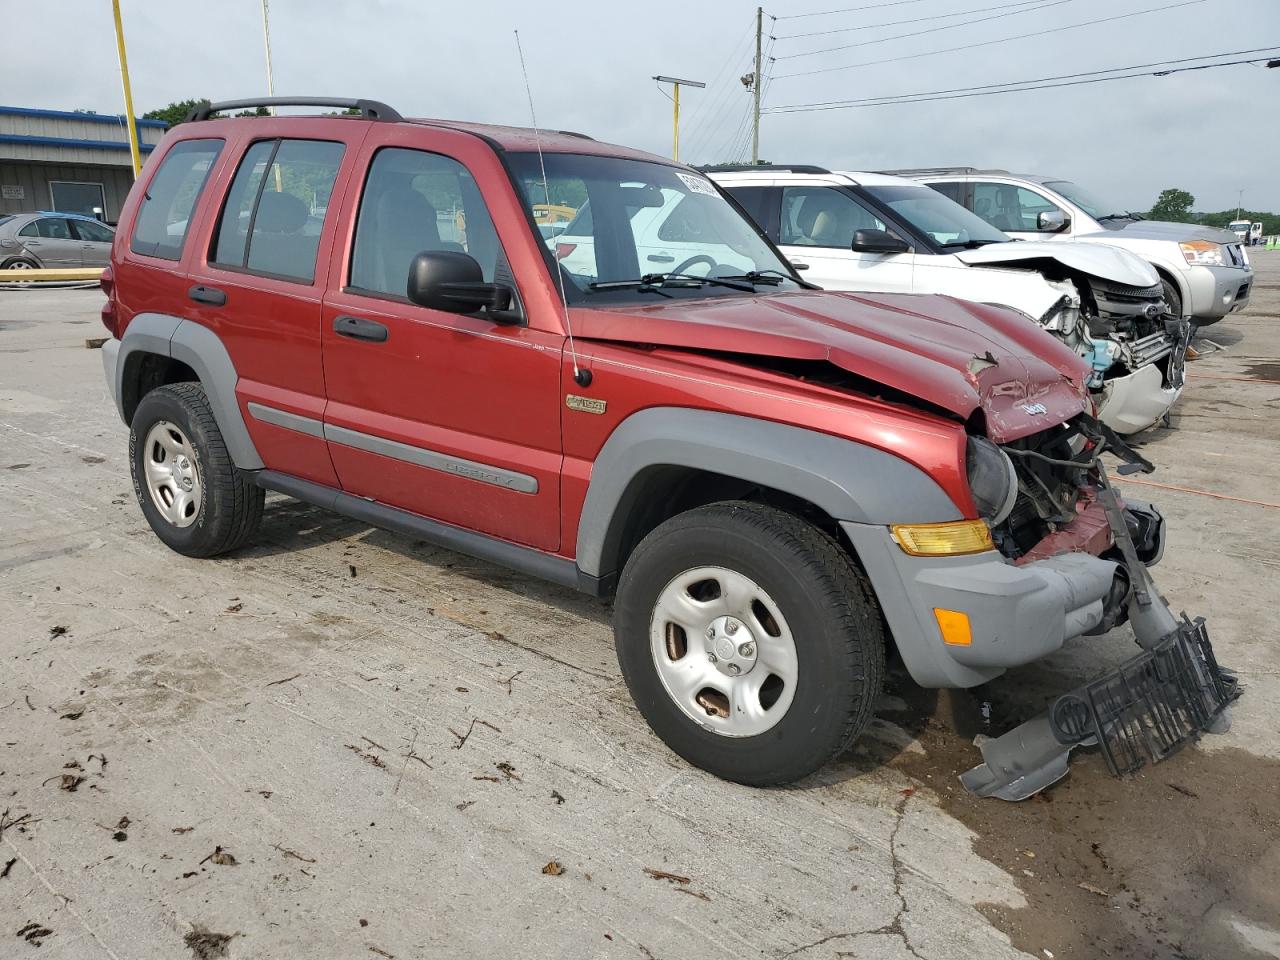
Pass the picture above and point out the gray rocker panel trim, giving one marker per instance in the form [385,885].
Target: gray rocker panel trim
[200,349]
[847,480]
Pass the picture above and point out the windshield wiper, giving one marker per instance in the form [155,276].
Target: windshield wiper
[771,277]
[654,281]
[1117,216]
[970,244]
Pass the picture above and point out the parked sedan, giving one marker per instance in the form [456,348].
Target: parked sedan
[30,241]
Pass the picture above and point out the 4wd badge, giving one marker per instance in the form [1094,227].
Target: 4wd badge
[1035,409]
[584,404]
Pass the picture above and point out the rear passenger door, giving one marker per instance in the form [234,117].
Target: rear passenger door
[450,416]
[1013,209]
[258,279]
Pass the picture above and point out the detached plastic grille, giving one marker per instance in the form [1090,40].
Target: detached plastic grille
[1151,706]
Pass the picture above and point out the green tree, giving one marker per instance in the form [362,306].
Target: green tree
[176,113]
[1174,204]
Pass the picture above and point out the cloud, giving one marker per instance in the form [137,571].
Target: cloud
[591,63]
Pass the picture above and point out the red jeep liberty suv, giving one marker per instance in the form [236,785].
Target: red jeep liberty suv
[378,316]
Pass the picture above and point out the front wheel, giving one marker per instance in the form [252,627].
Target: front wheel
[750,642]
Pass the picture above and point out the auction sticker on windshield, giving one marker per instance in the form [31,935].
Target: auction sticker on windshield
[697,184]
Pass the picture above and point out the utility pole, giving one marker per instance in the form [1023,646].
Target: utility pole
[676,84]
[134,151]
[1239,201]
[755,90]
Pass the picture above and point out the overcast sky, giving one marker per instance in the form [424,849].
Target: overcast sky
[1210,132]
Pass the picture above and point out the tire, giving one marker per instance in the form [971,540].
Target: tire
[175,437]
[823,604]
[20,263]
[1173,300]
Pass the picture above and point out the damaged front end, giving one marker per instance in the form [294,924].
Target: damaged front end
[1161,699]
[1134,347]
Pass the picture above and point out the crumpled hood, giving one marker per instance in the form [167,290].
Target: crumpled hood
[1109,263]
[950,353]
[1166,230]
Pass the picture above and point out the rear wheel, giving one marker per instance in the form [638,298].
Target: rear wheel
[194,497]
[20,263]
[749,641]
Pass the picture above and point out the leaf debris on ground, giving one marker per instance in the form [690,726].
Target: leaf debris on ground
[292,853]
[553,868]
[276,683]
[221,857]
[371,758]
[664,875]
[7,867]
[462,737]
[33,933]
[507,770]
[57,631]
[555,795]
[207,945]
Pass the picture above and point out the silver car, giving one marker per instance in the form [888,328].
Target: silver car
[30,241]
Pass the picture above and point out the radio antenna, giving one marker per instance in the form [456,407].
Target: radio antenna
[581,377]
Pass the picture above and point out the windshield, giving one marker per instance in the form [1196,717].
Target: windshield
[1095,207]
[634,219]
[948,223]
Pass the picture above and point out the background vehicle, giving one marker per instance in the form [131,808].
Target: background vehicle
[871,232]
[33,240]
[1204,271]
[1255,233]
[761,474]
[1241,229]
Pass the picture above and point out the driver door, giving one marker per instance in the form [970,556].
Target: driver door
[818,225]
[1014,209]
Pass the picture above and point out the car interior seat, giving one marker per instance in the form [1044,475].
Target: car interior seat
[278,244]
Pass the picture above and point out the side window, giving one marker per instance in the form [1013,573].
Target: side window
[165,214]
[687,224]
[30,230]
[93,232]
[1007,207]
[823,217]
[753,200]
[275,209]
[415,201]
[54,228]
[952,191]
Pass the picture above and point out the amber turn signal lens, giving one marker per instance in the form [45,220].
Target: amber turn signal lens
[954,625]
[943,539]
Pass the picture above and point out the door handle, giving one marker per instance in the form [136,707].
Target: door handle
[357,328]
[210,295]
[661,258]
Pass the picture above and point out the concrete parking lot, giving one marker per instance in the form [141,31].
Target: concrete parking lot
[343,743]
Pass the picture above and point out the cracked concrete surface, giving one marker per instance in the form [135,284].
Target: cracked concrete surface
[300,718]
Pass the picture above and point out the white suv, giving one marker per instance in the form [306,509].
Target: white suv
[870,232]
[1205,271]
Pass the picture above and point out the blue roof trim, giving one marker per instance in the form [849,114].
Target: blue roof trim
[70,142]
[111,118]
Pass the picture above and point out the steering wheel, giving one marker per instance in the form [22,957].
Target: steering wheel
[700,258]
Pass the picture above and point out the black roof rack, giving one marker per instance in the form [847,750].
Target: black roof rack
[924,171]
[778,167]
[574,133]
[369,109]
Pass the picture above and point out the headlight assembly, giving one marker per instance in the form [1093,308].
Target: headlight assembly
[992,479]
[1203,253]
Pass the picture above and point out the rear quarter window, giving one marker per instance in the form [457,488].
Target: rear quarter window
[165,214]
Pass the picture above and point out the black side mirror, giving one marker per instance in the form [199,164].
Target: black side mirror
[878,241]
[1051,221]
[453,281]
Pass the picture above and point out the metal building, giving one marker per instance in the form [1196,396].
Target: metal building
[74,162]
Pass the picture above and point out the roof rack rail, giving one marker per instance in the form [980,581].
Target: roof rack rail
[574,133]
[922,171]
[369,109]
[777,167]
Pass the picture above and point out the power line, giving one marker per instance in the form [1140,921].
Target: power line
[1015,86]
[710,101]
[1012,83]
[824,13]
[987,43]
[899,23]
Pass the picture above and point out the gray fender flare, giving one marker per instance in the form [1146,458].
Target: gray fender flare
[847,480]
[200,349]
